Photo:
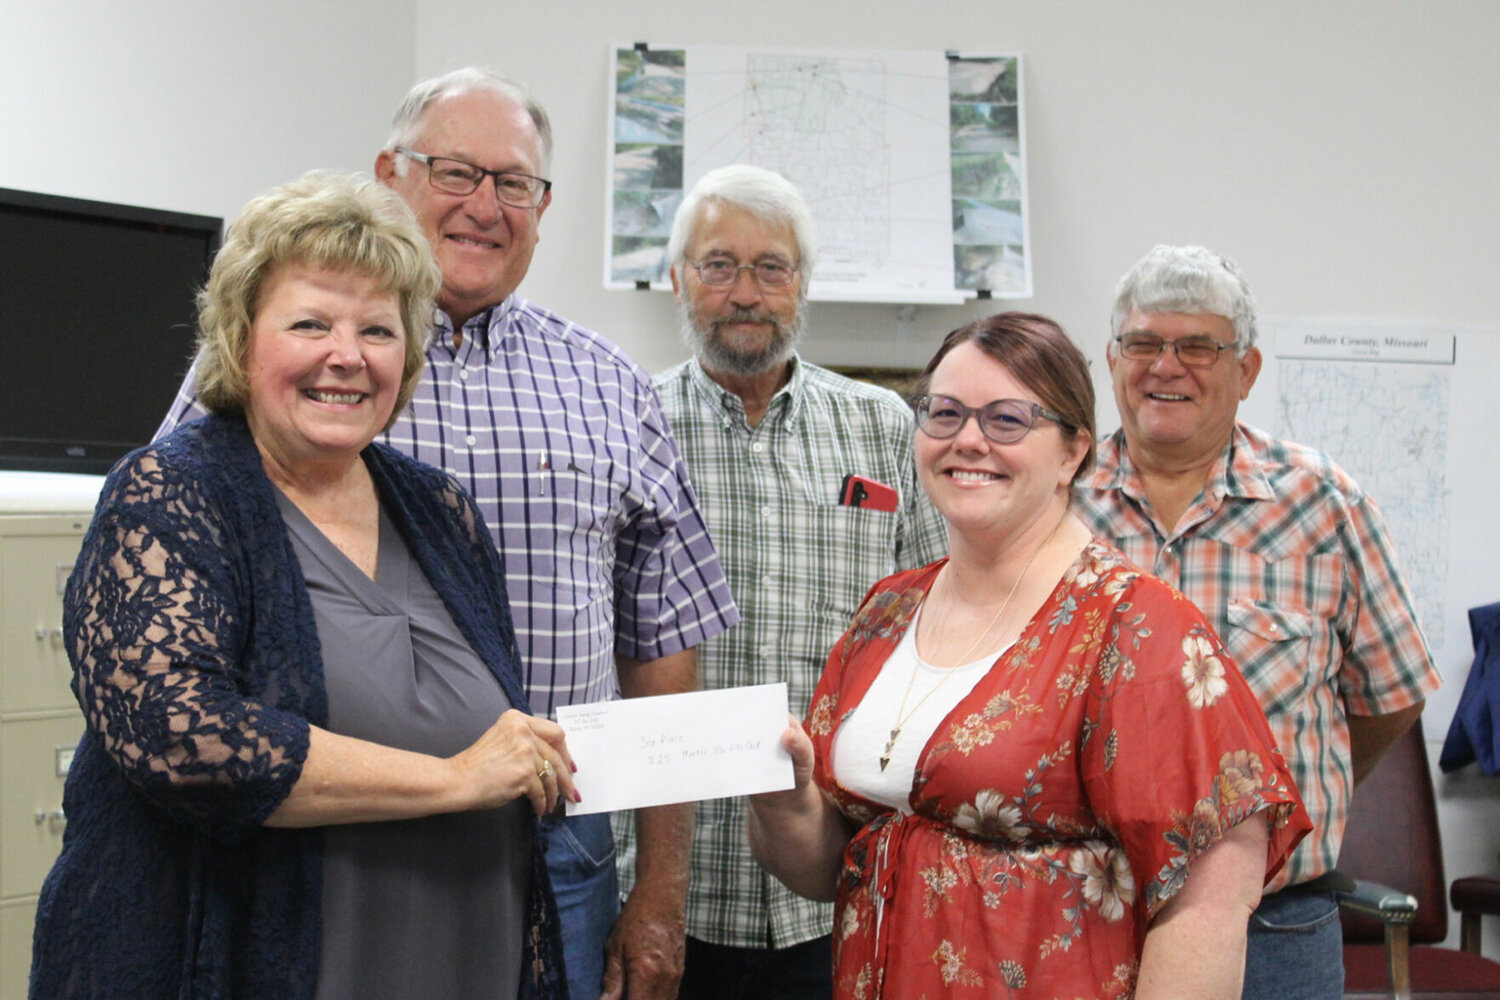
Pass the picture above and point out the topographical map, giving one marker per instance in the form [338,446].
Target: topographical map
[1386,425]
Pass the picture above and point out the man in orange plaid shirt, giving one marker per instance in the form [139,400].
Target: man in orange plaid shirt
[1283,553]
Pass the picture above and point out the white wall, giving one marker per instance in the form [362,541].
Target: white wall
[194,106]
[1343,151]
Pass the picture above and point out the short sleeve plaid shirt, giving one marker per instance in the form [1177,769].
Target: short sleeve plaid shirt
[799,564]
[560,439]
[1290,562]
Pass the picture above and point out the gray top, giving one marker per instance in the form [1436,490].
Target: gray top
[431,907]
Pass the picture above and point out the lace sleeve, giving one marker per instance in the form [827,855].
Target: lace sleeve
[155,624]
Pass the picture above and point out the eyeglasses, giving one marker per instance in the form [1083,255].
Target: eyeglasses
[1195,352]
[721,271]
[1003,421]
[457,177]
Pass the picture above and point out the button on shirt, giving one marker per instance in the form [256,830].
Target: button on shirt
[560,439]
[798,566]
[1290,562]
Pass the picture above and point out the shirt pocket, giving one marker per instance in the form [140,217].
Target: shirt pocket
[844,552]
[571,512]
[1271,644]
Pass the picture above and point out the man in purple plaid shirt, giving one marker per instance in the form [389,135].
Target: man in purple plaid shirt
[613,580]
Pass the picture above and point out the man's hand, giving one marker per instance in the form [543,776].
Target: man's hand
[644,957]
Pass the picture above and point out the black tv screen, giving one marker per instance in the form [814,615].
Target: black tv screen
[96,325]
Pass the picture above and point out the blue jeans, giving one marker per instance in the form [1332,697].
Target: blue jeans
[581,861]
[1296,948]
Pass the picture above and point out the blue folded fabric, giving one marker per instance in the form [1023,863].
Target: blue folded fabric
[1472,735]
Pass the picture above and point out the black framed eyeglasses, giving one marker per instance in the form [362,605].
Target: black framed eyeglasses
[721,271]
[1195,352]
[1003,421]
[458,177]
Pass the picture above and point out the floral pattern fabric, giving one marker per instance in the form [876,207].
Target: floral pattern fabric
[1056,808]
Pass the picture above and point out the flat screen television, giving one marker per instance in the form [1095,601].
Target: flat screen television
[96,325]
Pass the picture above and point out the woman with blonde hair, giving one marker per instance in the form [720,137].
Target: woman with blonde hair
[308,770]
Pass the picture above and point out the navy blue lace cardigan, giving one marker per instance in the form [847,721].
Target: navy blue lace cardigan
[197,665]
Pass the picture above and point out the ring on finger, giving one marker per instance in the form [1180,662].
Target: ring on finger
[545,771]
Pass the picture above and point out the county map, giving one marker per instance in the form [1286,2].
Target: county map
[1387,426]
[822,119]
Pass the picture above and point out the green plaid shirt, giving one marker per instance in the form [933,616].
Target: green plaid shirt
[798,565]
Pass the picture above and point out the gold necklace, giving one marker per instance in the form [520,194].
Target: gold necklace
[902,715]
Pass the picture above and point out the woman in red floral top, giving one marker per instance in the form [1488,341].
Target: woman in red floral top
[1030,769]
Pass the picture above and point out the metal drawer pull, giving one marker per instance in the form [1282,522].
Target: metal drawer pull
[56,818]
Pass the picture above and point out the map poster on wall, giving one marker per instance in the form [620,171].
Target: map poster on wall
[1384,419]
[912,162]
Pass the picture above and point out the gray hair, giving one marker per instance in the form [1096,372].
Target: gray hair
[763,193]
[1188,279]
[406,124]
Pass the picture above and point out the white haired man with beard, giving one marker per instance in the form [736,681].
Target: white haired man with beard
[808,484]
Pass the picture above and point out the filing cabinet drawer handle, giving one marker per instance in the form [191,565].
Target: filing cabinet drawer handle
[57,819]
[55,632]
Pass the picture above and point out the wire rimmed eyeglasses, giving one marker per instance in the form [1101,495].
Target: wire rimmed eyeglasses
[463,178]
[1003,421]
[721,271]
[1195,352]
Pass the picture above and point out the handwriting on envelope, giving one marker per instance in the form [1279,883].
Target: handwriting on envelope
[677,747]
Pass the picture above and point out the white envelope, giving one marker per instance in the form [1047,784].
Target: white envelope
[677,747]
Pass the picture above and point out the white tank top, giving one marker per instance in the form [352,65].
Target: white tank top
[861,740]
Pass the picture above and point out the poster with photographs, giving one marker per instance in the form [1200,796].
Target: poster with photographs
[912,162]
[989,176]
[646,166]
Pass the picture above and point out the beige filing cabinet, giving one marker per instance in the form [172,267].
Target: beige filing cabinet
[42,520]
